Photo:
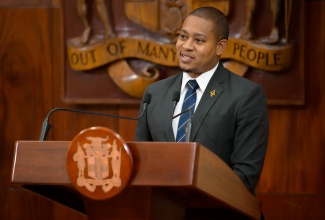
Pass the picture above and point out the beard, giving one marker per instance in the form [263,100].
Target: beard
[187,70]
[191,71]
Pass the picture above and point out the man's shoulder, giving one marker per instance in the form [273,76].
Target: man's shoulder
[241,80]
[166,81]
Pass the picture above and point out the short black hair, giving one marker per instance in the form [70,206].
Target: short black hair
[220,21]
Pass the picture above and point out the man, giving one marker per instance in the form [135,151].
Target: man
[231,112]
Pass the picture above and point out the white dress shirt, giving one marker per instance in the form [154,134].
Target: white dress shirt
[202,81]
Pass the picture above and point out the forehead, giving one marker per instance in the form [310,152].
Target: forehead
[196,25]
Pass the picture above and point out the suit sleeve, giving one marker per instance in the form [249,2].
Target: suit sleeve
[251,137]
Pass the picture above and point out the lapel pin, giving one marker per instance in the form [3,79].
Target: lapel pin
[212,93]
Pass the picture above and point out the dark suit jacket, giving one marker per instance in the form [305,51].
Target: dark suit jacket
[233,124]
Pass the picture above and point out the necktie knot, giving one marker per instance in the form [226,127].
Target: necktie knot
[193,85]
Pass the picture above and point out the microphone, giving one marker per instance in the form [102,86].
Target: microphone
[188,125]
[183,112]
[46,125]
[188,128]
[176,97]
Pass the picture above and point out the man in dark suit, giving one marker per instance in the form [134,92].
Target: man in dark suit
[230,115]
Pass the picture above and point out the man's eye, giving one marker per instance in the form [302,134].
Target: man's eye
[182,36]
[199,40]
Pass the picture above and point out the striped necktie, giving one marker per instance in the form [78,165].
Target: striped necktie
[189,103]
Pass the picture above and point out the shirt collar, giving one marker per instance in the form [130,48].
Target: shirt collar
[202,80]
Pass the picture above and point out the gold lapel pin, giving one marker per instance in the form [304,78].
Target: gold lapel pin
[212,93]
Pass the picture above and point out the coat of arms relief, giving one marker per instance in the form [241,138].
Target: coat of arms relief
[134,40]
[99,163]
[103,162]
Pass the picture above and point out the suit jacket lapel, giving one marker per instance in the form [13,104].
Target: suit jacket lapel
[169,107]
[209,98]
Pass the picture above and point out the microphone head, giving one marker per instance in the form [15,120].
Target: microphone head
[147,98]
[176,96]
[45,129]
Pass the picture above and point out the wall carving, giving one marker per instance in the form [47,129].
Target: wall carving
[114,49]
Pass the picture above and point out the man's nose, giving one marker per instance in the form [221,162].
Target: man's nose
[188,45]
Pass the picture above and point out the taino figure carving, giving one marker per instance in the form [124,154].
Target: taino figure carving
[100,157]
[275,6]
[79,157]
[116,163]
[103,15]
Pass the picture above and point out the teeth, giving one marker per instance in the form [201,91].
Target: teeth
[186,58]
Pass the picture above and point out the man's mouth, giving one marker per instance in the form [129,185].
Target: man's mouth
[186,58]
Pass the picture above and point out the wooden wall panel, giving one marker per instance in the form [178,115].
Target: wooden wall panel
[28,3]
[26,90]
[294,162]
[293,179]
[25,79]
[17,204]
[14,203]
[293,206]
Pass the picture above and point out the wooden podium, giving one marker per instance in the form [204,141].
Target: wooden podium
[168,181]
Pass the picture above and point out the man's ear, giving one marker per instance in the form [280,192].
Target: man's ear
[221,46]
